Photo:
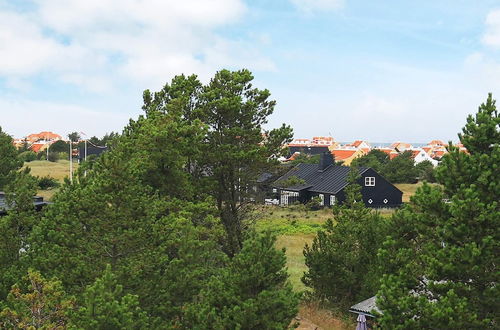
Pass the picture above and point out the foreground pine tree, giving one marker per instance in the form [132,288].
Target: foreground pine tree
[251,293]
[441,262]
[342,258]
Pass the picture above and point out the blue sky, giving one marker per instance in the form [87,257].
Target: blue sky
[374,70]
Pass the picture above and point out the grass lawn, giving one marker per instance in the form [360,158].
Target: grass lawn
[57,170]
[409,189]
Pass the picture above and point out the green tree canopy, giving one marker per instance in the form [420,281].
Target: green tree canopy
[401,169]
[441,261]
[9,162]
[342,263]
[251,293]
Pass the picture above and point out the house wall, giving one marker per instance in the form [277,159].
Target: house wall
[383,190]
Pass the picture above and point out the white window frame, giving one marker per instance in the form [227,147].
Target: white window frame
[285,194]
[370,181]
[322,197]
[333,200]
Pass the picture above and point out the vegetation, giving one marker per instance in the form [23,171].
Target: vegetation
[291,181]
[9,162]
[47,182]
[400,169]
[342,267]
[441,259]
[147,238]
[305,159]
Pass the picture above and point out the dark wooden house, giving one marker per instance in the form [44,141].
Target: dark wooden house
[328,181]
[38,204]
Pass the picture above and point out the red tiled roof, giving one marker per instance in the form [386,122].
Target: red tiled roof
[436,143]
[43,136]
[341,154]
[36,147]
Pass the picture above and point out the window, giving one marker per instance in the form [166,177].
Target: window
[332,200]
[288,197]
[370,201]
[322,197]
[385,201]
[370,181]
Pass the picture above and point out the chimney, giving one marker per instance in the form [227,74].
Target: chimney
[325,160]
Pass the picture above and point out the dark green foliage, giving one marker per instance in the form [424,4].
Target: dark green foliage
[106,140]
[291,181]
[15,229]
[162,251]
[305,159]
[251,293]
[106,307]
[401,169]
[27,156]
[152,208]
[314,203]
[374,159]
[47,182]
[36,303]
[426,171]
[74,136]
[9,162]
[60,146]
[342,264]
[53,156]
[236,149]
[218,133]
[441,261]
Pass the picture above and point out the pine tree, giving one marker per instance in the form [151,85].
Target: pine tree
[342,258]
[36,303]
[441,263]
[251,293]
[106,307]
[9,162]
[15,228]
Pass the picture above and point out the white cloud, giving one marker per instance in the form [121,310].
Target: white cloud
[309,6]
[492,35]
[22,117]
[92,43]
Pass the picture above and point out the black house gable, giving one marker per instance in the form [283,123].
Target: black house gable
[328,181]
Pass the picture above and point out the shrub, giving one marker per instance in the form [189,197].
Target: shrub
[53,156]
[27,156]
[47,182]
[314,204]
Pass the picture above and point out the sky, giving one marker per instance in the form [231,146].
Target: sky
[380,71]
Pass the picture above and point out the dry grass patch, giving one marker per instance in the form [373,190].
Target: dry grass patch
[58,170]
[311,316]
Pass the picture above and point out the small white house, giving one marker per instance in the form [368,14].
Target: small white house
[419,155]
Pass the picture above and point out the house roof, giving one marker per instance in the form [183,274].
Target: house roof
[366,307]
[43,136]
[341,154]
[331,180]
[437,143]
[36,147]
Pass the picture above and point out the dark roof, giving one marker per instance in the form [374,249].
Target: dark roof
[37,203]
[331,180]
[366,307]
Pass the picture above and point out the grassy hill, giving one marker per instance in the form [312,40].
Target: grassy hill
[57,170]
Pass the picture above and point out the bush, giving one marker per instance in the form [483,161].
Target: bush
[63,155]
[53,156]
[314,204]
[27,156]
[47,182]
